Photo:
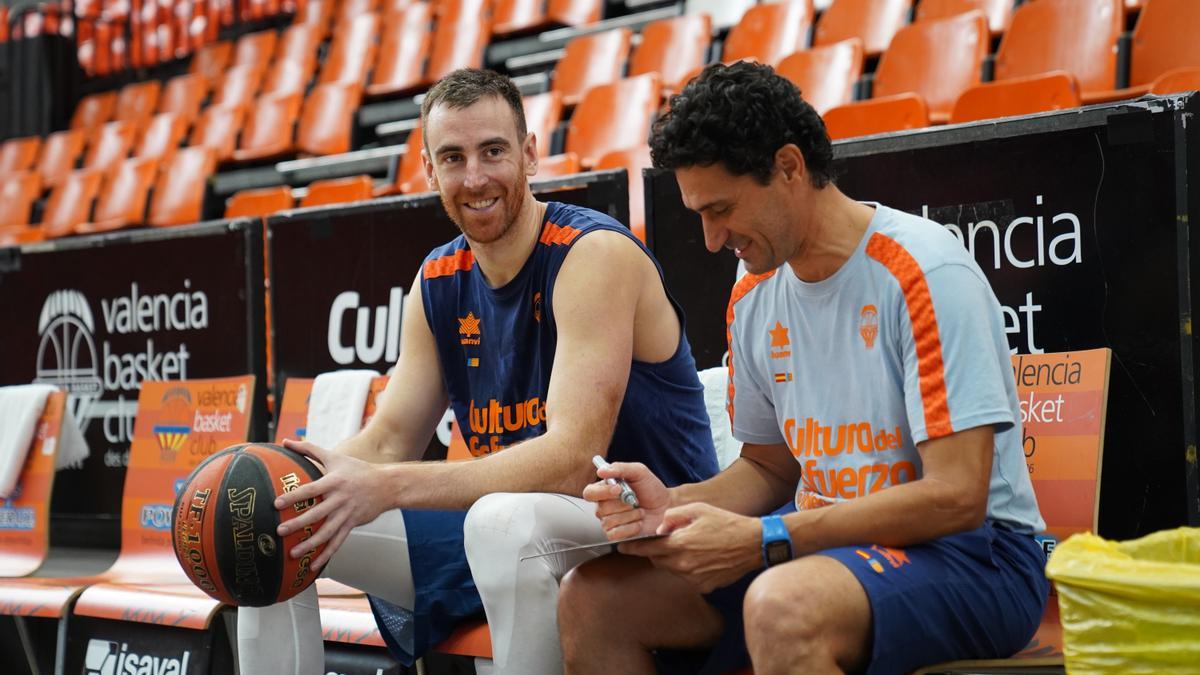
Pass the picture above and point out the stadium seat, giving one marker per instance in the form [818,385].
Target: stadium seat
[179,190]
[633,160]
[674,48]
[613,116]
[18,191]
[400,63]
[410,170]
[462,32]
[162,137]
[1044,92]
[260,202]
[825,75]
[211,61]
[1176,81]
[347,10]
[239,86]
[269,128]
[288,77]
[352,52]
[511,17]
[94,110]
[110,144]
[937,60]
[19,154]
[70,203]
[327,119]
[554,166]
[255,49]
[218,128]
[337,191]
[724,13]
[60,154]
[877,116]
[3,24]
[122,202]
[299,44]
[998,12]
[767,33]
[872,21]
[1078,36]
[315,13]
[543,112]
[591,60]
[183,96]
[137,101]
[1163,40]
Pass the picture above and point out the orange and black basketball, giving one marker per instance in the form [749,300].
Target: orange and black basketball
[224,525]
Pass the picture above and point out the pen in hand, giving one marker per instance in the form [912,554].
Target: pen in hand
[627,494]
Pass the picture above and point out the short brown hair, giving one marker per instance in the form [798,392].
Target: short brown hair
[466,86]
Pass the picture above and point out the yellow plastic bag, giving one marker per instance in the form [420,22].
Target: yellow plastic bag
[1129,607]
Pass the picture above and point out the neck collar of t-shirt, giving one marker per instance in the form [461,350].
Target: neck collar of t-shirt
[515,284]
[835,280]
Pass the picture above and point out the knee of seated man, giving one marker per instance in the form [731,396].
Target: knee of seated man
[496,523]
[781,600]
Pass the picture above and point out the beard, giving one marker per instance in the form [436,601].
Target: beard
[493,226]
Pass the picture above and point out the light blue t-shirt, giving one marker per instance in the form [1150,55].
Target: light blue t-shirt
[904,343]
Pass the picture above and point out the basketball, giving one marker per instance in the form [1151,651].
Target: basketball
[224,525]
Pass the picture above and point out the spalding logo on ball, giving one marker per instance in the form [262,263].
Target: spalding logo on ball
[225,522]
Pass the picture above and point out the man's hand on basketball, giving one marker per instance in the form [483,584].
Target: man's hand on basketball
[706,546]
[620,520]
[351,494]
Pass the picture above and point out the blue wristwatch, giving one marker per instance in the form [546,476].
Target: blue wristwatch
[776,542]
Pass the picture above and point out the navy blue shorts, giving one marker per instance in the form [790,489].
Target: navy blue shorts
[974,595]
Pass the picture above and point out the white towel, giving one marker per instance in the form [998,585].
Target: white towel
[335,407]
[72,447]
[20,408]
[716,394]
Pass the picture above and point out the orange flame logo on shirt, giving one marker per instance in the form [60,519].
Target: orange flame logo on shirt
[868,326]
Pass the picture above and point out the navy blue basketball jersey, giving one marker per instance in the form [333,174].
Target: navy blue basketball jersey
[496,347]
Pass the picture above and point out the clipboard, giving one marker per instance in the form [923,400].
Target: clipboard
[584,547]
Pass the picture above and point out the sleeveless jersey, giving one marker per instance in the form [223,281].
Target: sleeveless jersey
[497,345]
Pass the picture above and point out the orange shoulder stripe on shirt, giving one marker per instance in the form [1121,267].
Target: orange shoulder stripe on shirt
[459,261]
[931,369]
[554,233]
[740,289]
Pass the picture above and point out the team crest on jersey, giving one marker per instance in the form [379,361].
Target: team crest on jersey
[868,325]
[537,306]
[468,329]
[781,346]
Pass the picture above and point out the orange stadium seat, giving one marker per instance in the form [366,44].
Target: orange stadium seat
[299,43]
[400,63]
[825,75]
[462,32]
[260,202]
[70,203]
[511,17]
[872,21]
[938,60]
[94,110]
[674,48]
[554,166]
[255,49]
[337,191]
[347,10]
[613,116]
[60,154]
[410,171]
[998,12]
[110,144]
[543,112]
[3,23]
[122,202]
[211,60]
[137,101]
[162,137]
[18,191]
[183,96]
[591,60]
[218,129]
[239,86]
[633,160]
[19,154]
[877,116]
[288,77]
[268,129]
[327,119]
[1056,90]
[352,52]
[179,190]
[1164,40]
[315,13]
[767,33]
[1175,81]
[1078,36]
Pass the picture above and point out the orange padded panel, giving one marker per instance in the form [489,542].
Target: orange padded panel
[1164,39]
[877,116]
[633,160]
[60,154]
[218,128]
[179,190]
[268,130]
[937,60]
[872,21]
[767,33]
[255,49]
[94,110]
[327,119]
[110,144]
[1077,36]
[211,61]
[352,52]
[299,43]
[591,60]
[70,203]
[337,191]
[400,64]
[260,202]
[138,100]
[543,112]
[613,116]
[1017,96]
[673,48]
[183,96]
[18,191]
[239,86]
[463,31]
[19,154]
[825,75]
[288,77]
[998,12]
[123,201]
[163,136]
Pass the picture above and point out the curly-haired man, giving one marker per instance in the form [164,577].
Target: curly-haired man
[880,517]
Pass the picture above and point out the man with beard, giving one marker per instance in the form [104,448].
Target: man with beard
[548,330]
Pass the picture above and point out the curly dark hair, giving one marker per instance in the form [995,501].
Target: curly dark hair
[740,115]
[466,86]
